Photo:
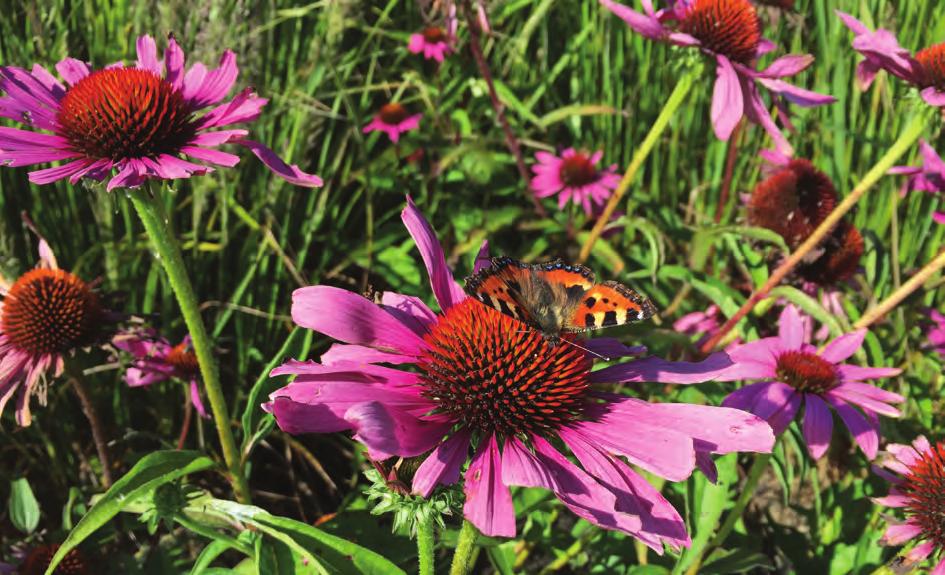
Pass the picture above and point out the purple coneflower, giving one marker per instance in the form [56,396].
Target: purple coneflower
[574,176]
[140,120]
[479,380]
[925,70]
[794,371]
[155,360]
[729,32]
[927,177]
[393,119]
[916,472]
[45,315]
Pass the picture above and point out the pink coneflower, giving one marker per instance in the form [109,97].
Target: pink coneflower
[927,177]
[916,472]
[479,380]
[393,119]
[155,360]
[729,32]
[141,120]
[46,314]
[574,176]
[925,70]
[794,371]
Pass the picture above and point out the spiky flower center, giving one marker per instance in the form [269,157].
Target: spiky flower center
[125,113]
[932,60]
[925,487]
[393,113]
[577,170]
[793,201]
[434,34]
[727,27]
[50,311]
[184,361]
[491,372]
[840,260]
[39,558]
[806,372]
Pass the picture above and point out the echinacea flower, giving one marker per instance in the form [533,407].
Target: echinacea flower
[574,176]
[393,119]
[141,120]
[156,360]
[728,31]
[927,177]
[478,380]
[795,372]
[925,70]
[918,489]
[46,314]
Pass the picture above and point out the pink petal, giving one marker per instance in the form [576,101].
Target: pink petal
[488,501]
[289,173]
[445,289]
[443,466]
[818,425]
[727,99]
[351,318]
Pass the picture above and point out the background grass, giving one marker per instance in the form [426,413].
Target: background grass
[571,75]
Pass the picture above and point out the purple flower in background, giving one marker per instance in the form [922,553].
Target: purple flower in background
[794,372]
[478,381]
[393,119]
[574,176]
[138,120]
[918,490]
[925,71]
[927,177]
[155,360]
[729,32]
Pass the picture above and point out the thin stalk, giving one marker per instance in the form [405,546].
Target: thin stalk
[748,490]
[425,534]
[465,546]
[98,434]
[656,130]
[510,140]
[914,283]
[165,244]
[906,140]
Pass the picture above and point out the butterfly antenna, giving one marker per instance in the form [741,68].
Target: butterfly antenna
[590,351]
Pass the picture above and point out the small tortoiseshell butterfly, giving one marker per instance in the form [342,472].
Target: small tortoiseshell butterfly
[555,297]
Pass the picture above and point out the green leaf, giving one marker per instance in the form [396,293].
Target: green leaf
[153,470]
[24,509]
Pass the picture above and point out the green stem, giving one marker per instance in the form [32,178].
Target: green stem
[656,130]
[152,216]
[748,490]
[425,533]
[465,545]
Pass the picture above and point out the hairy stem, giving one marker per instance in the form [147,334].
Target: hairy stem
[165,244]
[656,130]
[905,141]
[465,546]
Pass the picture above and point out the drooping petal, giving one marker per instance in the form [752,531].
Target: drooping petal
[443,466]
[488,500]
[447,292]
[818,425]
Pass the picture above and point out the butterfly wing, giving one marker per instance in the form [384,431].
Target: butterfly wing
[606,305]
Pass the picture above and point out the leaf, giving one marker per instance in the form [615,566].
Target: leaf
[24,509]
[151,471]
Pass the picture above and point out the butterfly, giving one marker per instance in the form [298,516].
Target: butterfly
[555,298]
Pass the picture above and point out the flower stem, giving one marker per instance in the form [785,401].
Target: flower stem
[758,468]
[98,434]
[510,140]
[465,546]
[155,224]
[425,533]
[914,283]
[906,139]
[656,130]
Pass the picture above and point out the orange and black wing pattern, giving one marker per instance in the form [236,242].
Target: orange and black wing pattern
[606,305]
